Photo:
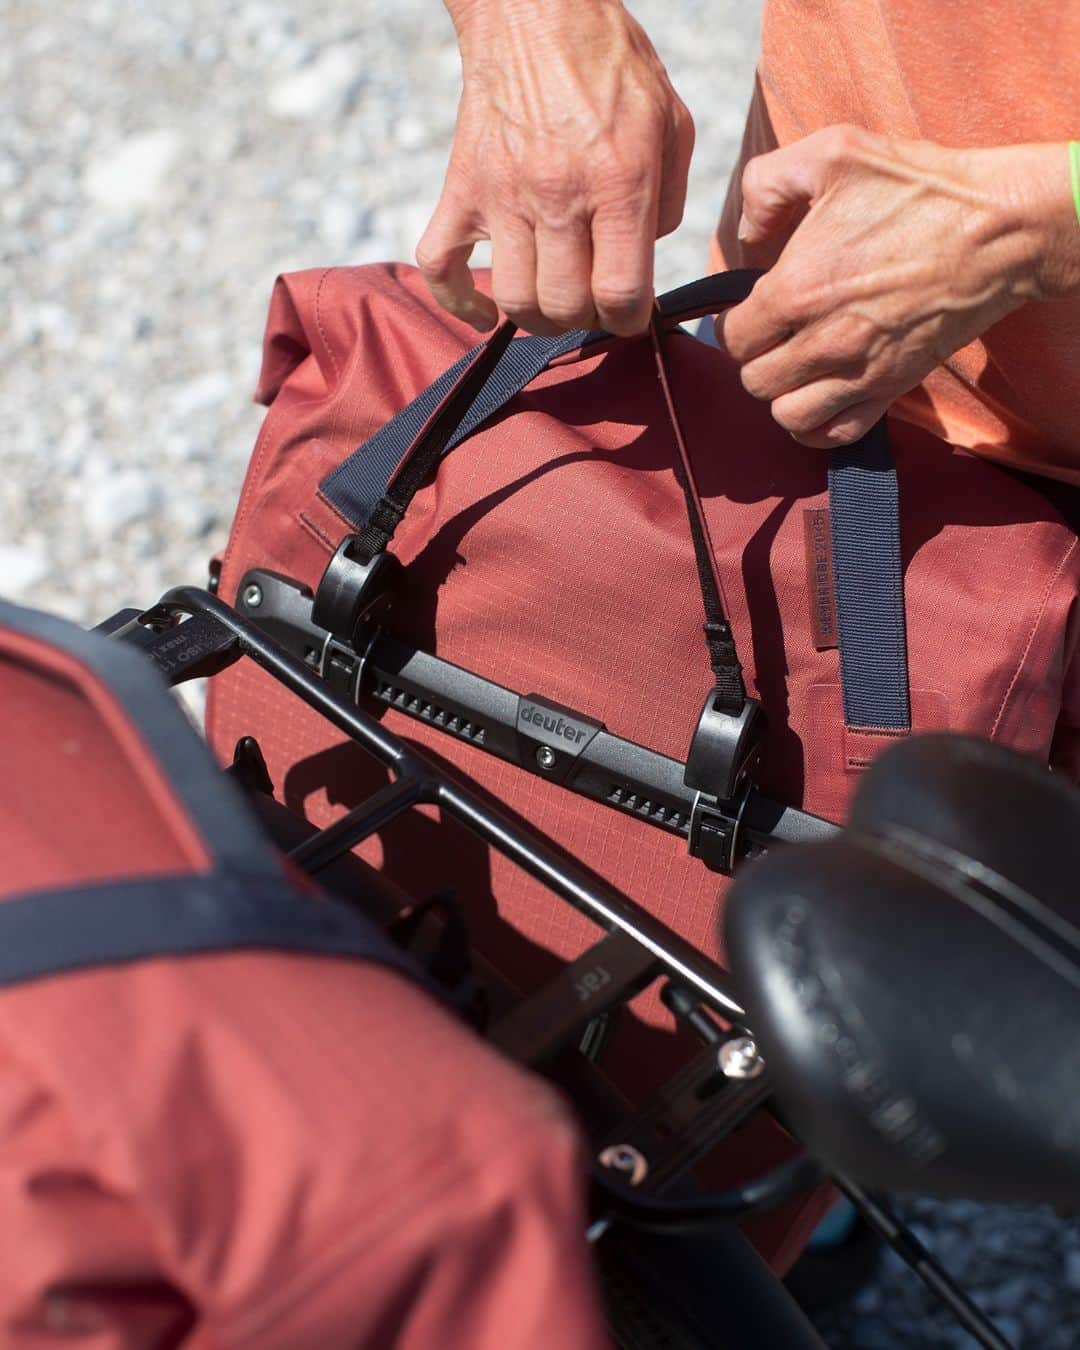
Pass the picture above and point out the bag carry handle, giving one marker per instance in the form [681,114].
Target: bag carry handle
[478,385]
[373,486]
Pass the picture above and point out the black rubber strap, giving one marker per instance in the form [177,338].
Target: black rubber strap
[444,426]
[729,689]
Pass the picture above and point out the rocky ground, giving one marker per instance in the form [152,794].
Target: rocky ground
[1020,1266]
[159,164]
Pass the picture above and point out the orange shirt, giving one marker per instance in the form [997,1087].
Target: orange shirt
[958,74]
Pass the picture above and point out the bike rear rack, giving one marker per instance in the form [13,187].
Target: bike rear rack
[191,633]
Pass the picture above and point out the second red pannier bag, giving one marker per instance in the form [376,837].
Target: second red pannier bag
[233,1113]
[547,549]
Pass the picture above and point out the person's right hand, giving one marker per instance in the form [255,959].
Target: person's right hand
[571,155]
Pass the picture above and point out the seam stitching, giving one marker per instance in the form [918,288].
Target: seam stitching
[319,323]
[1031,637]
[320,536]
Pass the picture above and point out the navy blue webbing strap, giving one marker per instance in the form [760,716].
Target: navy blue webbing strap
[50,932]
[245,900]
[360,482]
[864,509]
[862,494]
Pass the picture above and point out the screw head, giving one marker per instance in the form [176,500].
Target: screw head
[628,1161]
[545,757]
[252,596]
[740,1058]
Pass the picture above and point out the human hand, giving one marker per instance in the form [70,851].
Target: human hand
[571,155]
[902,253]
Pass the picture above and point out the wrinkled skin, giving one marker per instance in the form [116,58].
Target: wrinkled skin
[886,256]
[571,155]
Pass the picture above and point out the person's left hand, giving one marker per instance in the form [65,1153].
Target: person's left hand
[905,252]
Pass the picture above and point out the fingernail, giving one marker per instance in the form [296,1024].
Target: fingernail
[482,318]
[744,228]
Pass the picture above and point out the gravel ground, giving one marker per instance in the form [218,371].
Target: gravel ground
[1022,1266]
[159,165]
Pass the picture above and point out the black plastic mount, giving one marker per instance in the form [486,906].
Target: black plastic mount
[415,781]
[724,749]
[542,737]
[723,752]
[350,589]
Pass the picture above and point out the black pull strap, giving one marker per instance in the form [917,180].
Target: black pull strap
[730,689]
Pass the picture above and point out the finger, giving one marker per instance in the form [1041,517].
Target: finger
[443,258]
[513,275]
[624,241]
[847,426]
[809,409]
[676,172]
[761,322]
[812,354]
[778,184]
[564,274]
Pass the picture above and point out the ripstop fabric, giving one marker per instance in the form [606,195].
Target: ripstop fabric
[249,1149]
[551,553]
[372,489]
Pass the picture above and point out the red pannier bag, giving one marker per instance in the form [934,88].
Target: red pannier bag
[230,1115]
[551,553]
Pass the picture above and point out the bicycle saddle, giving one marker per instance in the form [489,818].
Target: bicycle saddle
[915,983]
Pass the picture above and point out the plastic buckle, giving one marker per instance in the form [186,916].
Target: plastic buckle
[714,833]
[339,666]
[342,666]
[723,750]
[349,589]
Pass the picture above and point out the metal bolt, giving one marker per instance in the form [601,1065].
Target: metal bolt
[628,1161]
[252,596]
[740,1058]
[545,757]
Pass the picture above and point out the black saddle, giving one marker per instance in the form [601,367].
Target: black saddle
[915,983]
